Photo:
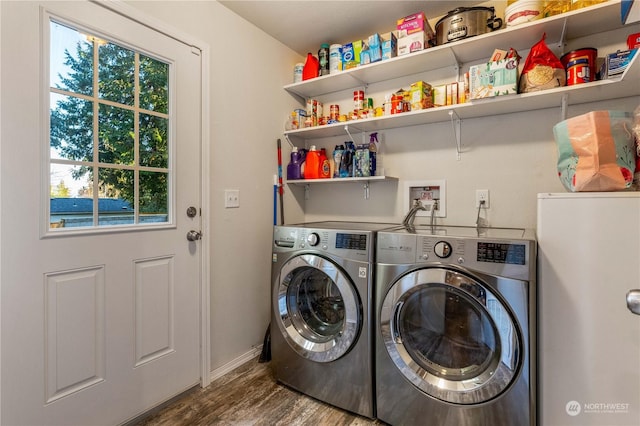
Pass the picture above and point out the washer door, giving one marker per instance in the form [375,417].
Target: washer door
[451,336]
[320,313]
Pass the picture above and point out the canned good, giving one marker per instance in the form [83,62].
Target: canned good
[297,72]
[397,102]
[334,112]
[358,100]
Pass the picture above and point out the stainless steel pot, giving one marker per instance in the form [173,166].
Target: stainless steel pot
[465,22]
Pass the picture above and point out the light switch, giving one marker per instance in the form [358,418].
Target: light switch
[231,198]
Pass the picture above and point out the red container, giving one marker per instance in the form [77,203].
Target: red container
[633,41]
[570,61]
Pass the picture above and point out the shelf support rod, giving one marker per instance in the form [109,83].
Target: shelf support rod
[563,106]
[346,129]
[366,190]
[307,190]
[286,137]
[455,126]
[563,36]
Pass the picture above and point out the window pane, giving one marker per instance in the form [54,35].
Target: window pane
[154,86]
[71,128]
[116,73]
[115,204]
[116,135]
[71,66]
[68,181]
[153,141]
[154,191]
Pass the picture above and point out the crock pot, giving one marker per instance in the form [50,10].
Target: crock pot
[465,22]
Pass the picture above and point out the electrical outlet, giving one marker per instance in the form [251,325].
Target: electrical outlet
[231,198]
[482,195]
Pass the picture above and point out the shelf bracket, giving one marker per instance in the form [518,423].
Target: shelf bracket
[307,190]
[286,137]
[366,190]
[455,126]
[563,36]
[346,129]
[563,107]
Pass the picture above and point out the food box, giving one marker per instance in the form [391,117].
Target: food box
[440,95]
[373,52]
[412,43]
[630,11]
[413,24]
[420,95]
[351,54]
[615,64]
[494,78]
[389,45]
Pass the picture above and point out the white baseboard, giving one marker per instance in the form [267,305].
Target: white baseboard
[235,363]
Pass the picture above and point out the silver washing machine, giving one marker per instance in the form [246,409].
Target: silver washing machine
[321,329]
[455,327]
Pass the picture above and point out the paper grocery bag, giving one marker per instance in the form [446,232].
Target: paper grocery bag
[596,151]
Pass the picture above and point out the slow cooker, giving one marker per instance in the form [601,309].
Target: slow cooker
[465,22]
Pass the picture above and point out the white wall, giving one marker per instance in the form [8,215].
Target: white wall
[248,109]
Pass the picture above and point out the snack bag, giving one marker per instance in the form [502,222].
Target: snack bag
[596,151]
[542,69]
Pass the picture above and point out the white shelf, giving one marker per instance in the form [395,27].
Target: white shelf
[342,180]
[595,19]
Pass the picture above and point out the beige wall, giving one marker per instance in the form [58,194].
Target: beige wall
[512,155]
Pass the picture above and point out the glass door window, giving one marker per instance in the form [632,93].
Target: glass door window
[109,147]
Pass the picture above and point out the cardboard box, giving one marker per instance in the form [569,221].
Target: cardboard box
[413,24]
[630,11]
[351,54]
[373,52]
[440,95]
[615,64]
[389,45]
[493,79]
[412,43]
[420,95]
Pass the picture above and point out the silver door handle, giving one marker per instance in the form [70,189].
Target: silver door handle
[194,235]
[633,301]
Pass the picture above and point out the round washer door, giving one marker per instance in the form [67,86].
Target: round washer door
[319,311]
[451,336]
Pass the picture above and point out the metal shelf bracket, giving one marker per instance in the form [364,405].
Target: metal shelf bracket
[455,126]
[307,191]
[366,190]
[564,103]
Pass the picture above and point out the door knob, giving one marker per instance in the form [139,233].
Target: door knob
[194,235]
[633,301]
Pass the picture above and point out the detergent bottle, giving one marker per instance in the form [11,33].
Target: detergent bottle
[325,169]
[310,69]
[294,166]
[312,164]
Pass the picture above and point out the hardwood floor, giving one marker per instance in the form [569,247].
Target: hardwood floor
[250,395]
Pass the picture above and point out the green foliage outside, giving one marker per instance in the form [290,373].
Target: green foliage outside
[72,122]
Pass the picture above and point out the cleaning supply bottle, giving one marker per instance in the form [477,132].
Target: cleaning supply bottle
[294,166]
[310,69]
[323,59]
[325,170]
[346,163]
[312,164]
[373,152]
[337,158]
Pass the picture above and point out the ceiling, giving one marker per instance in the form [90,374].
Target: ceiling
[303,25]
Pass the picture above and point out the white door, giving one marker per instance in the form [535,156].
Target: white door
[99,323]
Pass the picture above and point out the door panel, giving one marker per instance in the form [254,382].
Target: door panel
[96,328]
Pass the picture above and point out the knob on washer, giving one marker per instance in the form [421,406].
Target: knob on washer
[313,239]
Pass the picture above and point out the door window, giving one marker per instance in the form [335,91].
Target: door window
[109,150]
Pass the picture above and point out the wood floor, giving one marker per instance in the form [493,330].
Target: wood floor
[249,395]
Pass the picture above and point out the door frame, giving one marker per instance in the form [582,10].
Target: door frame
[203,48]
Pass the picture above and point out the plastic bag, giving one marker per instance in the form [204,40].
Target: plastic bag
[542,69]
[596,151]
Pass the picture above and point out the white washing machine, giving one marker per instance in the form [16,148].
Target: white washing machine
[321,328]
[455,327]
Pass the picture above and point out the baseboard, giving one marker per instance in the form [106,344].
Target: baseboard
[235,363]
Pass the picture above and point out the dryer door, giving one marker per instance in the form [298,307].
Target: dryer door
[451,336]
[320,313]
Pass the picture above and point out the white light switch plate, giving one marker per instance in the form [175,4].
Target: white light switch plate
[231,198]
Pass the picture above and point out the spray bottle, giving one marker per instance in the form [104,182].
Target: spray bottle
[373,149]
